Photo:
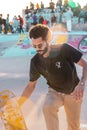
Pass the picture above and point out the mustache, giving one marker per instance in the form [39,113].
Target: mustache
[40,50]
[43,51]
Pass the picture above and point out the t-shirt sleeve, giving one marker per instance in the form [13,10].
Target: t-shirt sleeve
[34,74]
[71,53]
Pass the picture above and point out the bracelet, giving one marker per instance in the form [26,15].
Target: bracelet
[82,83]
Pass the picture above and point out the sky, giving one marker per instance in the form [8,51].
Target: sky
[14,7]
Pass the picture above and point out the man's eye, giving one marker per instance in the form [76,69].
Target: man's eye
[40,46]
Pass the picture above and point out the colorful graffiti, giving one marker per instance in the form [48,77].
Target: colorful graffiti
[79,41]
[24,41]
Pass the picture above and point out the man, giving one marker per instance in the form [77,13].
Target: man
[56,64]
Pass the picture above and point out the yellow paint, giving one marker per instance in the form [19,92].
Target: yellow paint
[61,37]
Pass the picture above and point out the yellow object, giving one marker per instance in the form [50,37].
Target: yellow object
[59,33]
[61,39]
[10,111]
[22,100]
[21,38]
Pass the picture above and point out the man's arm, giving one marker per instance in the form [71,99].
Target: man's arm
[83,63]
[79,90]
[27,92]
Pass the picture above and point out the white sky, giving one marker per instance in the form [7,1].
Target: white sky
[14,7]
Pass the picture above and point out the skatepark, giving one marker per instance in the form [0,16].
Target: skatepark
[14,75]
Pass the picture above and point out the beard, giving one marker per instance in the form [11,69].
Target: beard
[43,51]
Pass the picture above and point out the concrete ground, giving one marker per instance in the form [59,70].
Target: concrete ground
[14,75]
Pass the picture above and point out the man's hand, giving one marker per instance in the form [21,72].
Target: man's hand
[0,114]
[78,92]
[22,100]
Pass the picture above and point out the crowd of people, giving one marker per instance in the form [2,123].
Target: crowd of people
[11,27]
[55,13]
[34,14]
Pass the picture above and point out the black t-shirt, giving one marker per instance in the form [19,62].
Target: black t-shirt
[58,69]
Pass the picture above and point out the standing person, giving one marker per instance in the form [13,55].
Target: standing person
[57,64]
[4,25]
[53,19]
[42,6]
[60,16]
[58,5]
[68,18]
[34,18]
[31,6]
[7,23]
[15,24]
[26,10]
[21,22]
[52,6]
[41,19]
[37,7]
[1,22]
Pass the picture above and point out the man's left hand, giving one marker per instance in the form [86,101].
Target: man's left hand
[78,92]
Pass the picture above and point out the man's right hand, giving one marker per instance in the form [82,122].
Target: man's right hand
[22,100]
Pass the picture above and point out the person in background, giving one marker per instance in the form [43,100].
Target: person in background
[58,5]
[37,7]
[41,19]
[31,6]
[45,22]
[1,23]
[4,25]
[26,10]
[15,24]
[42,6]
[68,18]
[34,18]
[53,19]
[21,22]
[57,64]
[7,23]
[52,6]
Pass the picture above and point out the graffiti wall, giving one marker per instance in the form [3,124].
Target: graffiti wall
[79,41]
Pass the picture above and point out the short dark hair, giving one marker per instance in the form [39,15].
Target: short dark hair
[40,30]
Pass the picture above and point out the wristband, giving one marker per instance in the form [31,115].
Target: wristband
[82,83]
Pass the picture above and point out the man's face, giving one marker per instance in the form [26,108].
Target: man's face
[40,45]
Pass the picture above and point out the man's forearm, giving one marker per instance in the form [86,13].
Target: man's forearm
[83,63]
[27,92]
[84,75]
